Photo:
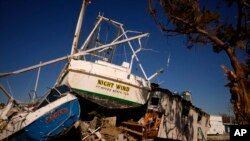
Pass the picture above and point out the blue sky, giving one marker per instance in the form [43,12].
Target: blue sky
[34,31]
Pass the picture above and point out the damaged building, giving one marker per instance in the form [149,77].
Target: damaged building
[167,116]
[179,118]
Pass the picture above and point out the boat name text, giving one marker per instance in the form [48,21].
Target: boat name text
[56,114]
[111,85]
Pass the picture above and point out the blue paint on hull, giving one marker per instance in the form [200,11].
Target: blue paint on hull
[51,124]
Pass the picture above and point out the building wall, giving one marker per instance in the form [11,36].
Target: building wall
[217,126]
[180,119]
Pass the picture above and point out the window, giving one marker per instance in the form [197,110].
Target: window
[199,117]
[63,89]
[53,95]
[185,110]
[154,101]
[185,107]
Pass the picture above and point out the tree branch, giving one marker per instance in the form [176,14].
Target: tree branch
[247,4]
[203,32]
[212,38]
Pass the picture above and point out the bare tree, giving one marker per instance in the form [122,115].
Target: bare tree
[208,27]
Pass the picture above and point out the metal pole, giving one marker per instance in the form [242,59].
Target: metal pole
[78,28]
[81,53]
[36,84]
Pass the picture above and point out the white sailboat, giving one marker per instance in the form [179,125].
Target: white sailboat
[97,78]
[92,72]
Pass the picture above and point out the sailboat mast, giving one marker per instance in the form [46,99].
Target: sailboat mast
[78,27]
[36,84]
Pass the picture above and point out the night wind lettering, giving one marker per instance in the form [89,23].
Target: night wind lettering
[105,83]
[121,87]
[109,86]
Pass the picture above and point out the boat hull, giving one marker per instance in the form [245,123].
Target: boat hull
[49,121]
[107,84]
[107,92]
[55,122]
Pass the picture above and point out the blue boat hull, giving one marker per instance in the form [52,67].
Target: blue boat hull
[51,124]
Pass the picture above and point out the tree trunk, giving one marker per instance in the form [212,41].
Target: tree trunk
[241,101]
[239,87]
